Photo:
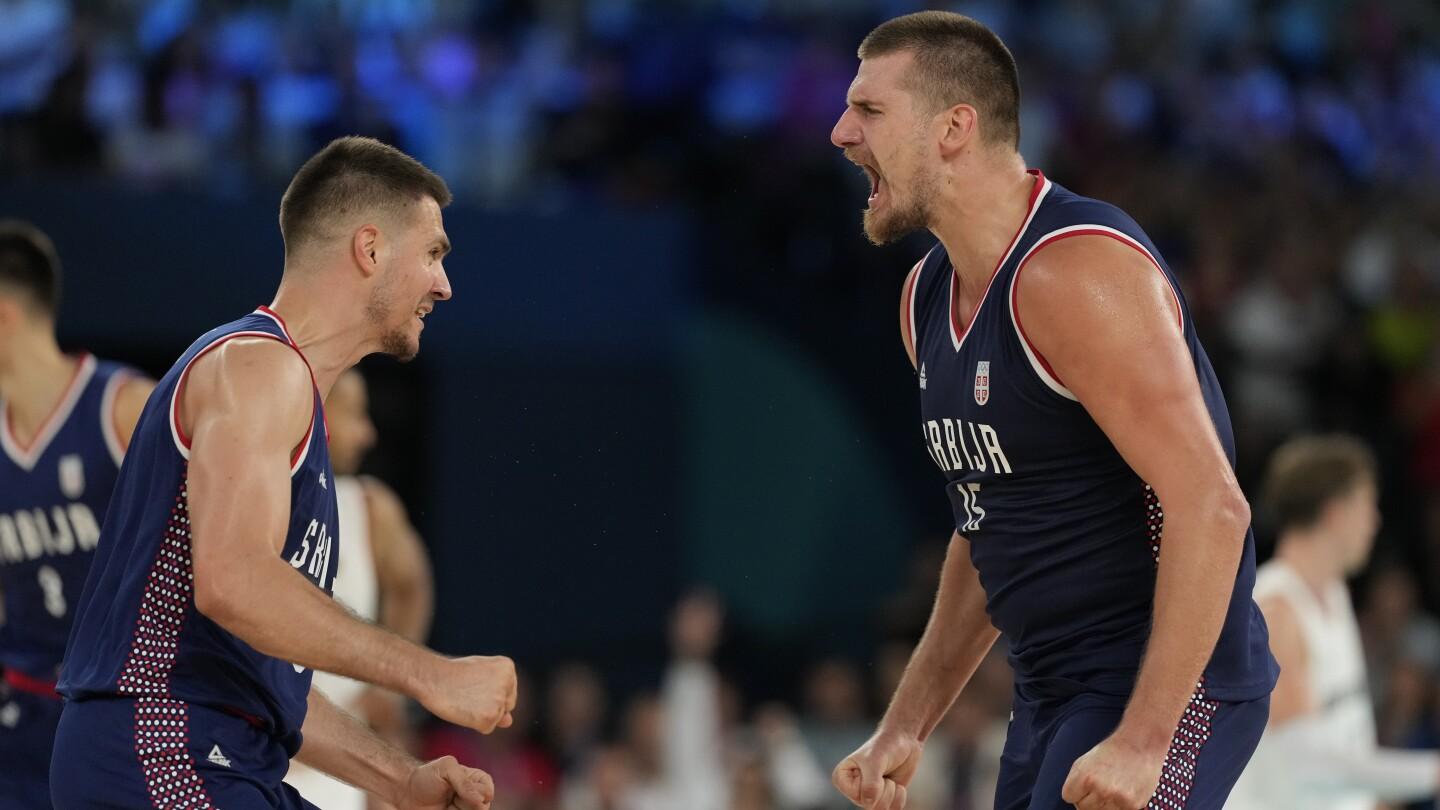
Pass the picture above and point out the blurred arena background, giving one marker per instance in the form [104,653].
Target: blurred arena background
[672,362]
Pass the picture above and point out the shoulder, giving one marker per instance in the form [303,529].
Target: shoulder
[383,504]
[1088,272]
[129,391]
[132,389]
[266,363]
[241,372]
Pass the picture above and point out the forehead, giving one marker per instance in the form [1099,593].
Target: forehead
[429,215]
[881,78]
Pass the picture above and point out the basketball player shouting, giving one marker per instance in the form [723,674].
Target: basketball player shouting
[189,663]
[1086,449]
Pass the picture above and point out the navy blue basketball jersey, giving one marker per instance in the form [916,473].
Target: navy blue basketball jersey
[137,632]
[1064,534]
[53,495]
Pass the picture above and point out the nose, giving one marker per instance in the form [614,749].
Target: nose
[441,288]
[847,130]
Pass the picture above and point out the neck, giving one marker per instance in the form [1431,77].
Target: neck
[977,216]
[1309,555]
[332,334]
[33,377]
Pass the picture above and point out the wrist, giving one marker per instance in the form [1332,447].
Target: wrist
[420,674]
[1144,734]
[397,779]
[899,728]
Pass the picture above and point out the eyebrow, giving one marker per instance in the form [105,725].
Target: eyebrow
[444,244]
[864,104]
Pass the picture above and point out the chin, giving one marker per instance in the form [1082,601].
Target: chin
[893,224]
[401,346]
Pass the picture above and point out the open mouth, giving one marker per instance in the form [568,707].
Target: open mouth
[877,183]
[420,316]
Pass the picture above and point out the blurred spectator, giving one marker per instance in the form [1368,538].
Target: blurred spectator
[836,720]
[575,715]
[1398,636]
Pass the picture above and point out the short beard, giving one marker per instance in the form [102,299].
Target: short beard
[397,344]
[898,223]
[394,342]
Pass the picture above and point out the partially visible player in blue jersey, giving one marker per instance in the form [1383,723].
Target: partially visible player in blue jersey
[1087,453]
[188,670]
[65,421]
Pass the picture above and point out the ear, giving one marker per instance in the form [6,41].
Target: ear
[1332,511]
[365,249]
[961,125]
[12,315]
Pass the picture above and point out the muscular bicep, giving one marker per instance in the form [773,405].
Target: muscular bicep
[1106,320]
[247,406]
[1292,697]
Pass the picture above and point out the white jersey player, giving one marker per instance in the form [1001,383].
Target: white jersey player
[384,576]
[1319,751]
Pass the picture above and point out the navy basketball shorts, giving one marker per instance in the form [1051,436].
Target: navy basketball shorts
[160,753]
[1210,749]
[27,733]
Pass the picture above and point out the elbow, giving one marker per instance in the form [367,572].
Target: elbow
[214,595]
[1233,512]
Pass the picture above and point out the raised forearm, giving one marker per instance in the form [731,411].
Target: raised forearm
[274,609]
[1199,555]
[342,746]
[957,638]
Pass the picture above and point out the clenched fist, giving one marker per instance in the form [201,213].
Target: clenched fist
[1114,775]
[876,776]
[443,783]
[477,692]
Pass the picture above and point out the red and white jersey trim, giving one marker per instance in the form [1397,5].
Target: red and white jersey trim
[182,442]
[1042,367]
[108,427]
[1042,188]
[26,457]
[911,286]
[280,322]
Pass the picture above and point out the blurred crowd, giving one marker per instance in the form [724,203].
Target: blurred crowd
[626,99]
[1280,151]
[1282,154]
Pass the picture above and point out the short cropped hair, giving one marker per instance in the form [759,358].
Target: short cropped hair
[348,175]
[29,266]
[957,61]
[1307,473]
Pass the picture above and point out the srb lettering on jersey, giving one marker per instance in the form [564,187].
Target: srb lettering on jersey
[60,531]
[957,445]
[313,556]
